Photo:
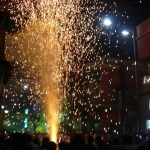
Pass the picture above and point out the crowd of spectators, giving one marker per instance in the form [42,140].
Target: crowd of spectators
[26,141]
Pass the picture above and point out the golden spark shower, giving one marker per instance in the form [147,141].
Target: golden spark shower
[54,46]
[38,45]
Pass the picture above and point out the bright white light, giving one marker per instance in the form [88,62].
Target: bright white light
[107,22]
[125,32]
[6,111]
[2,107]
[25,87]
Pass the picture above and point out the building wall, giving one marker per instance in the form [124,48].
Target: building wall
[143,40]
[143,45]
[114,103]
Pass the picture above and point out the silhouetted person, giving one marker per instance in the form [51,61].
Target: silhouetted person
[99,143]
[63,146]
[127,139]
[148,145]
[8,144]
[90,145]
[18,141]
[51,146]
[36,141]
[77,142]
[45,142]
[29,145]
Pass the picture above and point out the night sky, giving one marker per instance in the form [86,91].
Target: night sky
[138,10]
[124,14]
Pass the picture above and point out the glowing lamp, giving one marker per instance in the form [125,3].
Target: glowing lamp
[124,32]
[107,22]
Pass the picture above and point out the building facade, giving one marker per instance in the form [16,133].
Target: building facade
[143,43]
[105,98]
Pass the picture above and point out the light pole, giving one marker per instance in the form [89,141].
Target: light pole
[107,22]
[126,33]
[121,105]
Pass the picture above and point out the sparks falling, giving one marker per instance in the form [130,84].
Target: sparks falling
[53,41]
[38,48]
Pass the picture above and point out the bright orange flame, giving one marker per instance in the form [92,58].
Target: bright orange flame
[52,115]
[39,48]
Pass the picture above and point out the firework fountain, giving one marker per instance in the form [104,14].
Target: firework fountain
[41,44]
[54,37]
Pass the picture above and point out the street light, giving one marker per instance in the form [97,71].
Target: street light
[126,33]
[107,22]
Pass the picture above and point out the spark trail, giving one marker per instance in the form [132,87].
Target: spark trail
[38,46]
[53,40]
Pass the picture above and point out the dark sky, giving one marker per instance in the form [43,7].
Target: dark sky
[138,10]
